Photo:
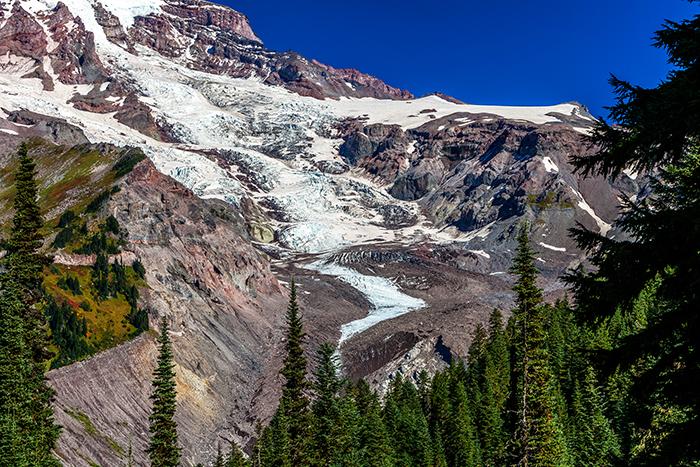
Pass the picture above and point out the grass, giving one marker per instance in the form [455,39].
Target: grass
[107,323]
[547,201]
[69,177]
[91,430]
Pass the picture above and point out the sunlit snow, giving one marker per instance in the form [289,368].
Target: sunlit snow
[387,300]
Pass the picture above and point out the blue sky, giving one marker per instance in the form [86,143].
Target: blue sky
[485,52]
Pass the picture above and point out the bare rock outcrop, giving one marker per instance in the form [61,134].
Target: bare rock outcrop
[224,307]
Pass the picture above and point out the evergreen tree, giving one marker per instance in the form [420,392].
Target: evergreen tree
[537,437]
[27,430]
[294,397]
[492,430]
[24,261]
[273,446]
[593,442]
[375,447]
[219,460]
[67,332]
[100,275]
[334,416]
[163,448]
[407,425]
[440,410]
[655,130]
[235,457]
[462,443]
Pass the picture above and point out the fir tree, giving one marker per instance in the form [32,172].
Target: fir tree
[25,263]
[537,437]
[100,275]
[407,425]
[492,430]
[235,457]
[27,430]
[163,448]
[25,403]
[334,416]
[273,446]
[462,443]
[219,460]
[294,391]
[593,442]
[375,448]
[655,130]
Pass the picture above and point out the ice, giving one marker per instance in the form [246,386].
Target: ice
[387,300]
[632,174]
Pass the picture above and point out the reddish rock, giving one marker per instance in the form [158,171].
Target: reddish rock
[22,35]
[209,15]
[113,28]
[139,116]
[74,59]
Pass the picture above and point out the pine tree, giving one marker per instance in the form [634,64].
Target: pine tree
[655,130]
[407,425]
[27,430]
[163,448]
[24,260]
[235,457]
[440,410]
[334,416]
[593,441]
[100,275]
[375,447]
[273,446]
[25,263]
[219,460]
[294,397]
[492,430]
[462,443]
[537,438]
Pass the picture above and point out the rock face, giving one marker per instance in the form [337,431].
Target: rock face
[22,35]
[223,306]
[469,171]
[74,58]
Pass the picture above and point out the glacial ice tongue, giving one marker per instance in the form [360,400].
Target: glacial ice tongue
[387,300]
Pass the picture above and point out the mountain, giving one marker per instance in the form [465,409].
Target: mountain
[396,215]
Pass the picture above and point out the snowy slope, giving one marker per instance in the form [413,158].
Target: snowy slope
[414,113]
[241,139]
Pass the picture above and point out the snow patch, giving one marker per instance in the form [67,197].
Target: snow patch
[481,253]
[632,174]
[549,165]
[603,226]
[128,10]
[553,248]
[407,113]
